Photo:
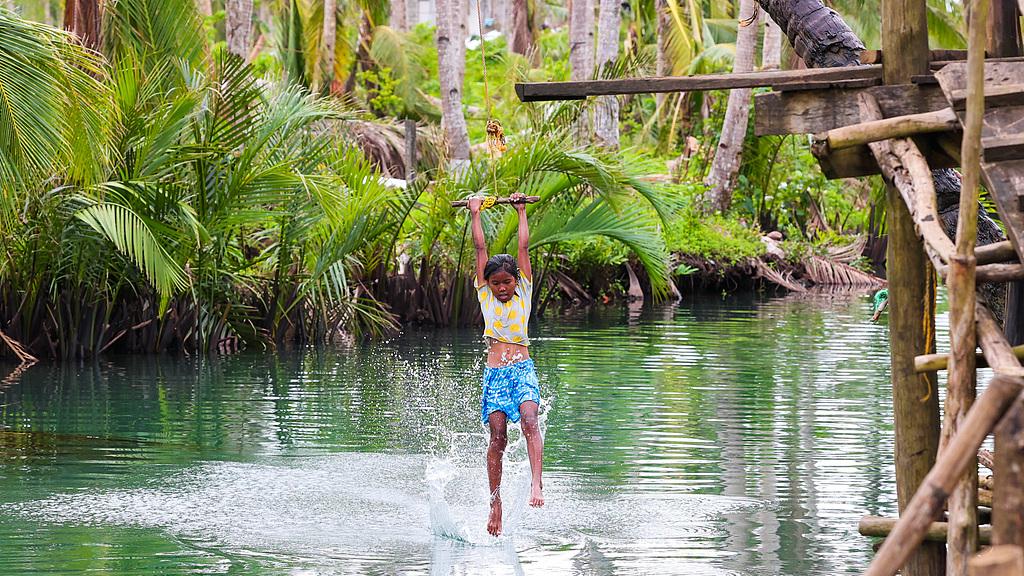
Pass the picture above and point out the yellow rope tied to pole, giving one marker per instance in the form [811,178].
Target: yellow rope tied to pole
[495,133]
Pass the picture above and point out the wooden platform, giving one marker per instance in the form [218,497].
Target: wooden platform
[1002,137]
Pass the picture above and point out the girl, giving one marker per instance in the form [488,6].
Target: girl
[510,390]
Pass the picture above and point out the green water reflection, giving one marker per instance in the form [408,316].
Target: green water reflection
[743,436]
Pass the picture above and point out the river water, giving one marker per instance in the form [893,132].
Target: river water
[723,436]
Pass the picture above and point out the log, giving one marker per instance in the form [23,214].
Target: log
[934,362]
[525,200]
[873,131]
[881,527]
[1004,560]
[578,90]
[995,253]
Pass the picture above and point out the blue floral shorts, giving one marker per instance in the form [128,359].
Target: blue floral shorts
[507,387]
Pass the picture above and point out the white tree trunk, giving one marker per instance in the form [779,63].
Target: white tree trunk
[771,52]
[726,165]
[238,26]
[328,43]
[606,121]
[398,19]
[663,67]
[581,39]
[451,67]
[205,8]
[412,13]
[47,13]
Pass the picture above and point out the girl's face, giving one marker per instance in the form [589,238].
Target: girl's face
[503,285]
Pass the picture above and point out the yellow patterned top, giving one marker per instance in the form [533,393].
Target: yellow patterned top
[507,321]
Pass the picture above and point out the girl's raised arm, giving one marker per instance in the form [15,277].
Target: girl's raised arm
[524,236]
[478,239]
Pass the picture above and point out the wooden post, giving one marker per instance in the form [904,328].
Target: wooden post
[911,296]
[963,502]
[1004,29]
[1008,477]
[998,561]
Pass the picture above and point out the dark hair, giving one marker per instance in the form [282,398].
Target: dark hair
[503,263]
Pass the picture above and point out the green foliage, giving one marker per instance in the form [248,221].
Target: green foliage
[380,89]
[721,239]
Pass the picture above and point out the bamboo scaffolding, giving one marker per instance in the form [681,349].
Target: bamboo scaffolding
[962,449]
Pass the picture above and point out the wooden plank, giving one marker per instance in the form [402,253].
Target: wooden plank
[827,85]
[996,95]
[875,56]
[543,91]
[1004,179]
[813,111]
[1002,148]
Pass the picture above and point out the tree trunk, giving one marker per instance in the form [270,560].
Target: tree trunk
[451,66]
[412,13]
[47,13]
[238,26]
[663,67]
[726,165]
[581,39]
[606,121]
[398,19]
[520,35]
[82,18]
[771,52]
[205,8]
[328,43]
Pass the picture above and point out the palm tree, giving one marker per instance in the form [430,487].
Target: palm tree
[328,42]
[238,26]
[83,17]
[726,165]
[606,121]
[451,65]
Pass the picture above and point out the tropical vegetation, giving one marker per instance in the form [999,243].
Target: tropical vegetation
[164,190]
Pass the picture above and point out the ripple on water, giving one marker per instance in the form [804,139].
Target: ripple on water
[375,510]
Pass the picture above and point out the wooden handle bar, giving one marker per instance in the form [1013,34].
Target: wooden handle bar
[525,200]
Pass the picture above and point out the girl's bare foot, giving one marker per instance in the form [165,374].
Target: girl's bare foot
[536,496]
[494,521]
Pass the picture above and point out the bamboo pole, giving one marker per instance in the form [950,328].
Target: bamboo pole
[962,387]
[875,130]
[525,200]
[881,527]
[935,362]
[1003,560]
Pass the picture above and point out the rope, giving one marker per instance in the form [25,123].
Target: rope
[483,57]
[927,328]
[495,134]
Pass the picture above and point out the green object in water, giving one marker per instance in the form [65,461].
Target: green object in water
[880,298]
